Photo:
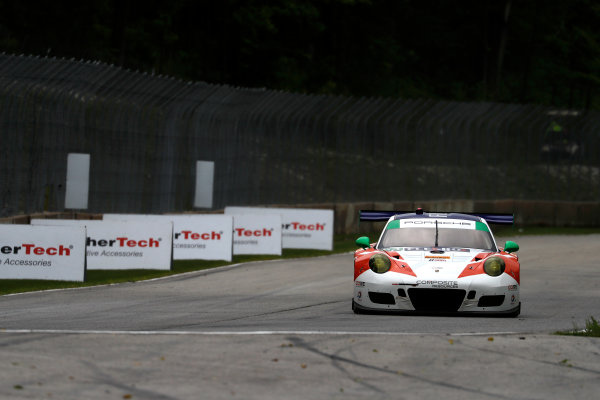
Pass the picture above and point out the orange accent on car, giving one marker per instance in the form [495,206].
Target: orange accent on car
[361,262]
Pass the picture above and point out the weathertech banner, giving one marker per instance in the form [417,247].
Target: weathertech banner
[301,228]
[123,245]
[42,252]
[195,236]
[256,234]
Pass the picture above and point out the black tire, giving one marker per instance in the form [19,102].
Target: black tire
[513,314]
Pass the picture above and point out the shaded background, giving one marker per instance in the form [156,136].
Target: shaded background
[299,101]
[534,51]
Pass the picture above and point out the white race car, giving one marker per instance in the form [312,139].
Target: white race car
[436,263]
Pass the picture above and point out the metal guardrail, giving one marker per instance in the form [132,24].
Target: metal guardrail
[145,133]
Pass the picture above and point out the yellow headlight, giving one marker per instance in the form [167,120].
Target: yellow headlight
[379,263]
[494,266]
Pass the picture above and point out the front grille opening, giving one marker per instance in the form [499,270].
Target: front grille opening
[471,295]
[490,301]
[401,293]
[444,300]
[382,298]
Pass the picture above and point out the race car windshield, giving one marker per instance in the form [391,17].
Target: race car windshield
[446,238]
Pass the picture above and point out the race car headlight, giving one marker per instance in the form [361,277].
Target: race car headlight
[379,263]
[494,266]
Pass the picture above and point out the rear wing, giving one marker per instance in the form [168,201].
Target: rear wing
[492,218]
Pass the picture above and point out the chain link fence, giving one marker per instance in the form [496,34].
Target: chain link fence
[145,133]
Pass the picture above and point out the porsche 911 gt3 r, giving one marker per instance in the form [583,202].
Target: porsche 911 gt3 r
[436,263]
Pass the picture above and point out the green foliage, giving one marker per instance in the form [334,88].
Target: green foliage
[592,329]
[545,52]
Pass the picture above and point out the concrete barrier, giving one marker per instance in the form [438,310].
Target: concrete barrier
[346,215]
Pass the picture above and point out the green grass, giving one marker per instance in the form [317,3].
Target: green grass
[342,244]
[592,329]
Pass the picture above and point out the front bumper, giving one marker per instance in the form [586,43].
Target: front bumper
[477,295]
[511,313]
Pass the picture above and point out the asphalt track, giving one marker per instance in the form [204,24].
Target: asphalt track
[285,329]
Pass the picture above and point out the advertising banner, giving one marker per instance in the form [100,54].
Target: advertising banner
[195,236]
[42,252]
[301,228]
[123,245]
[257,234]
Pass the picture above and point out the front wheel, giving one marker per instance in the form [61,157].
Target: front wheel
[356,309]
[515,313]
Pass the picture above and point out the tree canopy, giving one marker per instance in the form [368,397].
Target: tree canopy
[534,51]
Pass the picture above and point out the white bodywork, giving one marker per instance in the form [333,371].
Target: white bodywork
[439,270]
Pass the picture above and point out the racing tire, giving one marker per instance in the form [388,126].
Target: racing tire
[356,309]
[515,313]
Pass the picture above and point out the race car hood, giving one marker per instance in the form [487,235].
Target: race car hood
[438,264]
[441,265]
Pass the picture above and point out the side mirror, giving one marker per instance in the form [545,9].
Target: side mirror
[511,247]
[363,242]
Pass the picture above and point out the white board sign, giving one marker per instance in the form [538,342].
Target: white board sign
[113,245]
[78,181]
[301,228]
[205,171]
[195,236]
[42,252]
[257,234]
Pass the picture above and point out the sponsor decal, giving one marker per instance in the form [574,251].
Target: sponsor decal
[186,235]
[513,287]
[359,296]
[439,284]
[358,283]
[451,223]
[123,242]
[437,258]
[300,228]
[27,263]
[122,245]
[297,226]
[34,252]
[242,232]
[32,249]
[445,249]
[512,298]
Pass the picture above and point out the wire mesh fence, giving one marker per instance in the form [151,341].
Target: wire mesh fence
[145,133]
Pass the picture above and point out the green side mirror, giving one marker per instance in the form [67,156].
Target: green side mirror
[363,242]
[511,247]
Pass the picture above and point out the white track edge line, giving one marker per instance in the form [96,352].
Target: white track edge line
[240,333]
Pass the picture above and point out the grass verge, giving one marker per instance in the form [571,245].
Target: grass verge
[342,244]
[592,329]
